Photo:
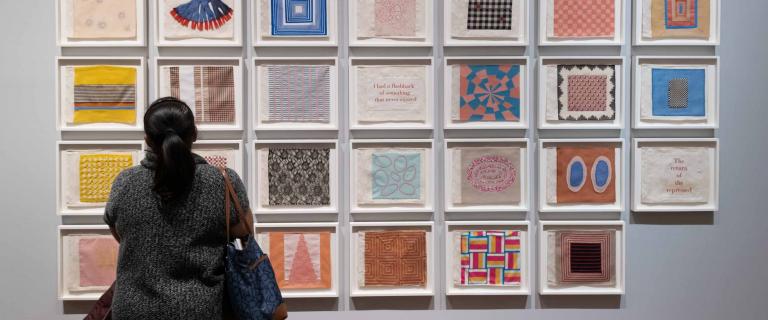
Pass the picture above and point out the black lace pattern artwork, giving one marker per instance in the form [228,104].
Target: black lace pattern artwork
[299,177]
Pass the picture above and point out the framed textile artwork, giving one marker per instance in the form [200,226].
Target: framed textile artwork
[486,22]
[488,257]
[199,22]
[582,257]
[582,175]
[391,259]
[92,23]
[391,94]
[303,256]
[296,94]
[221,153]
[210,86]
[87,261]
[294,176]
[295,23]
[677,22]
[581,93]
[485,93]
[86,171]
[677,92]
[391,176]
[100,93]
[486,175]
[391,22]
[579,22]
[676,175]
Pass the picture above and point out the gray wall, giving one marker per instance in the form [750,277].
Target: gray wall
[682,266]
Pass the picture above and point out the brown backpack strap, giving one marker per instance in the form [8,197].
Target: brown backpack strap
[230,195]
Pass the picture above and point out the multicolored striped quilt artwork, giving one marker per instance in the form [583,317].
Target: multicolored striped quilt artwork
[490,258]
[104,94]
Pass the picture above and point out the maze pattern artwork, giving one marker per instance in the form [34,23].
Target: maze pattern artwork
[395,258]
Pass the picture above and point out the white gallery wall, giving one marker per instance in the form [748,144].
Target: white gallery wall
[678,265]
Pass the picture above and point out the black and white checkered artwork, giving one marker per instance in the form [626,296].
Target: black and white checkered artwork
[678,93]
[489,15]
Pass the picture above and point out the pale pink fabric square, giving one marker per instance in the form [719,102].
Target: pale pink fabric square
[98,261]
[395,18]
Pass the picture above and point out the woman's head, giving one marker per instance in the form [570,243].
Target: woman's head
[170,130]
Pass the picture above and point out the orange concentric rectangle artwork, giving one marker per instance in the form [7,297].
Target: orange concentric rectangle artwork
[395,258]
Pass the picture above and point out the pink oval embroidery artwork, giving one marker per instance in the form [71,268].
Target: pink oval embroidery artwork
[491,174]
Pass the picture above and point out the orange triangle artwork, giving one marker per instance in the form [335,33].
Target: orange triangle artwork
[302,270]
[301,260]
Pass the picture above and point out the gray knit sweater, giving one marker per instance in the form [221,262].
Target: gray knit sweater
[171,263]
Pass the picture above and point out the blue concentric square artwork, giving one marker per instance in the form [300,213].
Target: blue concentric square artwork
[299,18]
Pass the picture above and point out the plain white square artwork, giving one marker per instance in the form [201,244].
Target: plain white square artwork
[107,23]
[391,23]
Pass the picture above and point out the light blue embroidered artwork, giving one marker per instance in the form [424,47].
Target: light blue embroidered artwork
[299,18]
[679,92]
[396,176]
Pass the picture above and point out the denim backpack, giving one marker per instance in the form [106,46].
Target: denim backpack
[250,280]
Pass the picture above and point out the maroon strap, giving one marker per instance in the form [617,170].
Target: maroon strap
[102,310]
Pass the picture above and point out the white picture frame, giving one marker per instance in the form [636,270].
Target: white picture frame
[357,291]
[63,293]
[392,42]
[618,176]
[356,124]
[64,27]
[260,22]
[260,94]
[141,78]
[160,62]
[544,94]
[234,145]
[524,174]
[429,171]
[525,256]
[257,179]
[712,118]
[161,18]
[620,257]
[640,17]
[65,181]
[449,88]
[333,228]
[522,18]
[546,17]
[637,174]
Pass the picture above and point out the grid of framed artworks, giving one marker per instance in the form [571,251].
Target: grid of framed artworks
[377,134]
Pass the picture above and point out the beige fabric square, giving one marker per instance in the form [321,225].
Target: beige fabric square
[103,19]
[486,176]
[392,94]
[675,175]
[406,24]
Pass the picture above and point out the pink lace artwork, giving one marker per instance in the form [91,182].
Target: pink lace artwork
[395,18]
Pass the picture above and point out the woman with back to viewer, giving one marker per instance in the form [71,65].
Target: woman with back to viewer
[168,215]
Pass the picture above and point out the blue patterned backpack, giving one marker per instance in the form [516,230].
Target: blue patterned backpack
[250,280]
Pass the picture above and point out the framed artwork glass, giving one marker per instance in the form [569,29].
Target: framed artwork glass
[391,23]
[391,175]
[677,92]
[486,93]
[295,23]
[101,23]
[581,257]
[487,258]
[676,175]
[304,256]
[581,175]
[581,92]
[486,175]
[583,23]
[86,170]
[391,259]
[295,176]
[677,22]
[87,261]
[391,93]
[486,22]
[212,87]
[100,93]
[199,23]
[296,93]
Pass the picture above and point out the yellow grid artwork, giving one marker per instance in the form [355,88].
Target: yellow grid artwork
[97,171]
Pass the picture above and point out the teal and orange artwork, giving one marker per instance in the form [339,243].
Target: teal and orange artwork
[489,93]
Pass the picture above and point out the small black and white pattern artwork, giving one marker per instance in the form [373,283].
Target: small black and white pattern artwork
[678,93]
[299,177]
[489,15]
